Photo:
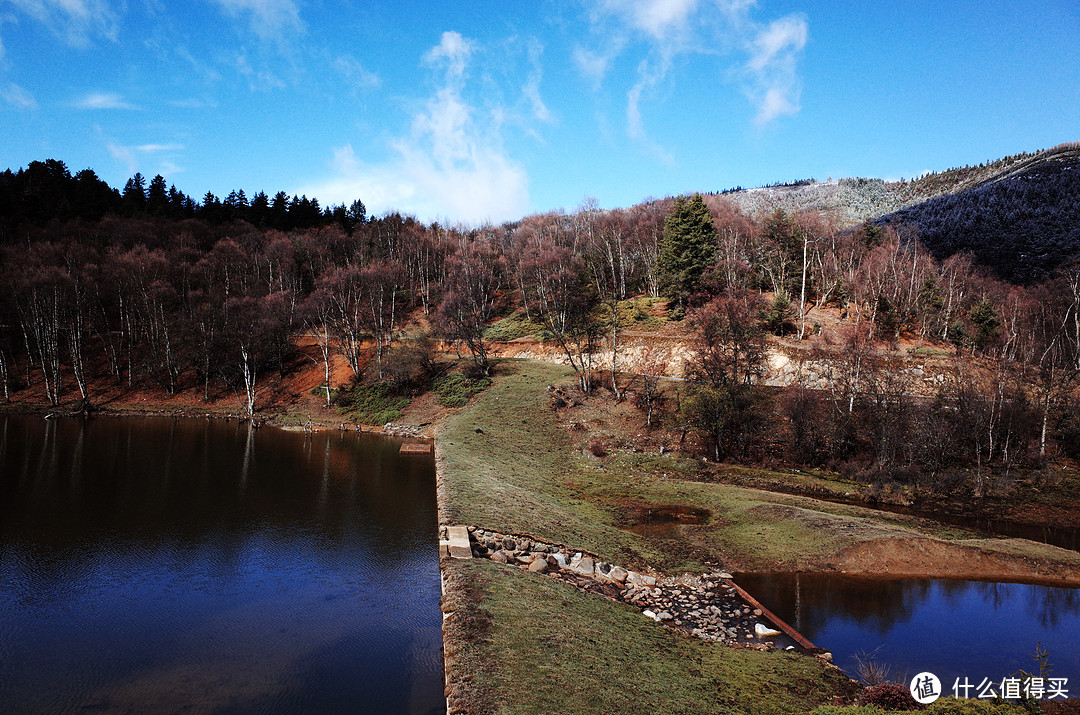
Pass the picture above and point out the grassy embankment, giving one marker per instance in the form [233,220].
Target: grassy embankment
[519,642]
[510,463]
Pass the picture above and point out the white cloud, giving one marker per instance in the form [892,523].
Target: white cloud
[358,76]
[268,19]
[75,21]
[451,165]
[153,148]
[103,100]
[772,70]
[15,96]
[125,155]
[592,65]
[453,50]
[132,157]
[258,80]
[662,19]
[662,30]
[531,89]
[775,43]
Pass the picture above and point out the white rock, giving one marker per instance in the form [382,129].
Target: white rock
[762,631]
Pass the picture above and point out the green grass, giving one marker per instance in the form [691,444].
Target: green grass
[456,390]
[509,464]
[374,404]
[513,326]
[547,647]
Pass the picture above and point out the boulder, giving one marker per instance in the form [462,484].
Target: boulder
[499,557]
[583,565]
[539,566]
[763,631]
[618,573]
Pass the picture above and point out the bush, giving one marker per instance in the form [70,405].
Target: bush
[407,368]
[374,404]
[456,390]
[889,696]
[597,448]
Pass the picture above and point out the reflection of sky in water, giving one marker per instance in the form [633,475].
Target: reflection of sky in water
[155,565]
[951,628]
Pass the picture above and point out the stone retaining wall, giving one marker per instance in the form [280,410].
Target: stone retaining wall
[709,606]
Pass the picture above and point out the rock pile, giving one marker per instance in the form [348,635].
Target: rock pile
[708,607]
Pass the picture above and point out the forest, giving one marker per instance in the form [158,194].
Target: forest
[1023,226]
[149,288]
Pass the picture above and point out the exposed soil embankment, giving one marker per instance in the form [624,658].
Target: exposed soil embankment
[922,557]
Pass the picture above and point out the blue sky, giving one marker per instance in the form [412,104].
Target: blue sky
[491,110]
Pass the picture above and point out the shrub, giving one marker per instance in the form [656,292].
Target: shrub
[889,696]
[456,390]
[374,404]
[597,448]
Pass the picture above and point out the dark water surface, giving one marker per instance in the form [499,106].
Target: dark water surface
[161,565]
[952,628]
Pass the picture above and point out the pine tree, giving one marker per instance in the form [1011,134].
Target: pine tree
[687,248]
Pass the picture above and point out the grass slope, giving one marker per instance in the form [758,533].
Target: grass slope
[541,646]
[509,463]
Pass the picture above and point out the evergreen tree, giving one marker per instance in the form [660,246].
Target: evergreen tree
[157,199]
[687,248]
[135,195]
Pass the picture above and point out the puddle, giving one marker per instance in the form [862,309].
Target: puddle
[662,520]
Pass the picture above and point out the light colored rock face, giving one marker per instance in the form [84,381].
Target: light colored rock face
[618,574]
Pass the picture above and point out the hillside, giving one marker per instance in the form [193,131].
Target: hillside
[854,200]
[1022,222]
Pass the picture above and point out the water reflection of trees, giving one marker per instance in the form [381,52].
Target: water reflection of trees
[872,603]
[74,489]
[811,601]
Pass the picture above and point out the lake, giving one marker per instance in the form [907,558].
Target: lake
[159,565]
[952,628]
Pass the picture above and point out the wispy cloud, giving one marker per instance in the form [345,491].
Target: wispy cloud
[531,89]
[664,20]
[133,157]
[662,30]
[355,74]
[451,163]
[15,96]
[272,20]
[774,86]
[453,52]
[75,21]
[258,80]
[103,100]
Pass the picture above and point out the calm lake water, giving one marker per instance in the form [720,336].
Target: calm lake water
[160,565]
[954,629]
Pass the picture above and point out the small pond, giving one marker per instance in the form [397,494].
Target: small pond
[952,628]
[167,565]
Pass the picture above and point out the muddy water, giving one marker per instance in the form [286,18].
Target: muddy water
[160,565]
[954,629]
